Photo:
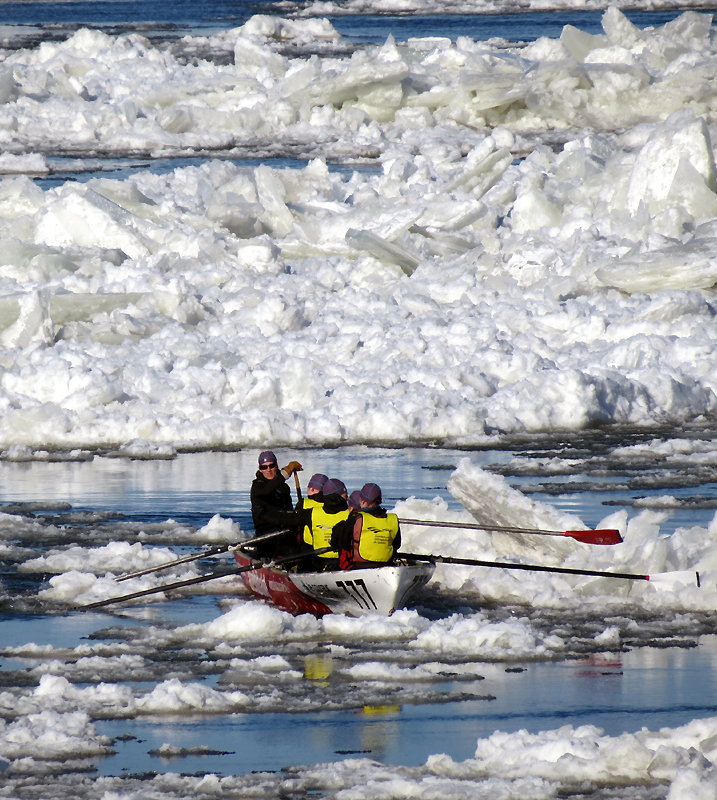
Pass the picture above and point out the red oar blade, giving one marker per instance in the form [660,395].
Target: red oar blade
[607,536]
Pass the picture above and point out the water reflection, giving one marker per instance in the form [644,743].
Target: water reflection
[381,731]
[599,664]
[318,667]
[205,484]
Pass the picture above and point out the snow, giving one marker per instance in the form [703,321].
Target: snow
[50,735]
[260,621]
[481,282]
[119,557]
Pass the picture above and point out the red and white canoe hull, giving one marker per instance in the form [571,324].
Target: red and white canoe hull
[379,590]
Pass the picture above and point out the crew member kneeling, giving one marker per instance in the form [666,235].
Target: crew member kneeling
[370,537]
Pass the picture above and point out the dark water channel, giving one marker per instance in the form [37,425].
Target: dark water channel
[160,20]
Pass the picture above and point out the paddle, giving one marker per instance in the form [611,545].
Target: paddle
[205,554]
[608,536]
[473,562]
[203,578]
[298,487]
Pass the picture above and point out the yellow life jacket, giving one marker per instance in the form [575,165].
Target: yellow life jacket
[307,535]
[377,535]
[322,525]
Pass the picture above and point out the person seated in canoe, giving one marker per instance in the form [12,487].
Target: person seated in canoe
[272,508]
[315,492]
[324,519]
[370,537]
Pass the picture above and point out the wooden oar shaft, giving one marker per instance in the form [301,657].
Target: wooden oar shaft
[475,526]
[204,554]
[167,587]
[203,578]
[608,536]
[174,563]
[474,562]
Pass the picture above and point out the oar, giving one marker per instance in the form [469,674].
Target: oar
[608,536]
[298,487]
[473,562]
[204,554]
[203,578]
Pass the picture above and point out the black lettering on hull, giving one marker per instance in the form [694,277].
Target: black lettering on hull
[354,590]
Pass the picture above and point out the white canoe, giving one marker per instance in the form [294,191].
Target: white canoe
[379,590]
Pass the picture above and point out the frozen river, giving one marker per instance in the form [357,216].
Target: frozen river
[484,246]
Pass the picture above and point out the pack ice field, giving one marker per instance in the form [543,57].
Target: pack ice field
[466,241]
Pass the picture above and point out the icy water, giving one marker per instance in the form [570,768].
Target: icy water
[616,691]
[651,688]
[163,20]
[514,27]
[62,169]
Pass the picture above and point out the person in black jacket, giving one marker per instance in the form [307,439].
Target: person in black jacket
[271,505]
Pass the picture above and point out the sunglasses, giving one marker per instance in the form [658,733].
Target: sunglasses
[263,467]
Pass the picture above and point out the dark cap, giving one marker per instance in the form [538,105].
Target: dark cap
[371,493]
[318,481]
[354,500]
[334,486]
[340,486]
[267,457]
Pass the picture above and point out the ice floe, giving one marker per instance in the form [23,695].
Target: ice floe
[644,551]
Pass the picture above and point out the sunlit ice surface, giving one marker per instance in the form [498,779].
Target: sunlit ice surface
[534,253]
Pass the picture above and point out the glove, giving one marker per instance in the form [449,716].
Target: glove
[292,467]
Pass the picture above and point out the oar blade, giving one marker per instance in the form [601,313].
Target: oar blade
[607,536]
[675,580]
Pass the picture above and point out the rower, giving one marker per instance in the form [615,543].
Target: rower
[271,504]
[315,492]
[323,520]
[370,537]
[354,500]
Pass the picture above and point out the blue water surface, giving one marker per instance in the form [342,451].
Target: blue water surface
[182,16]
[617,692]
